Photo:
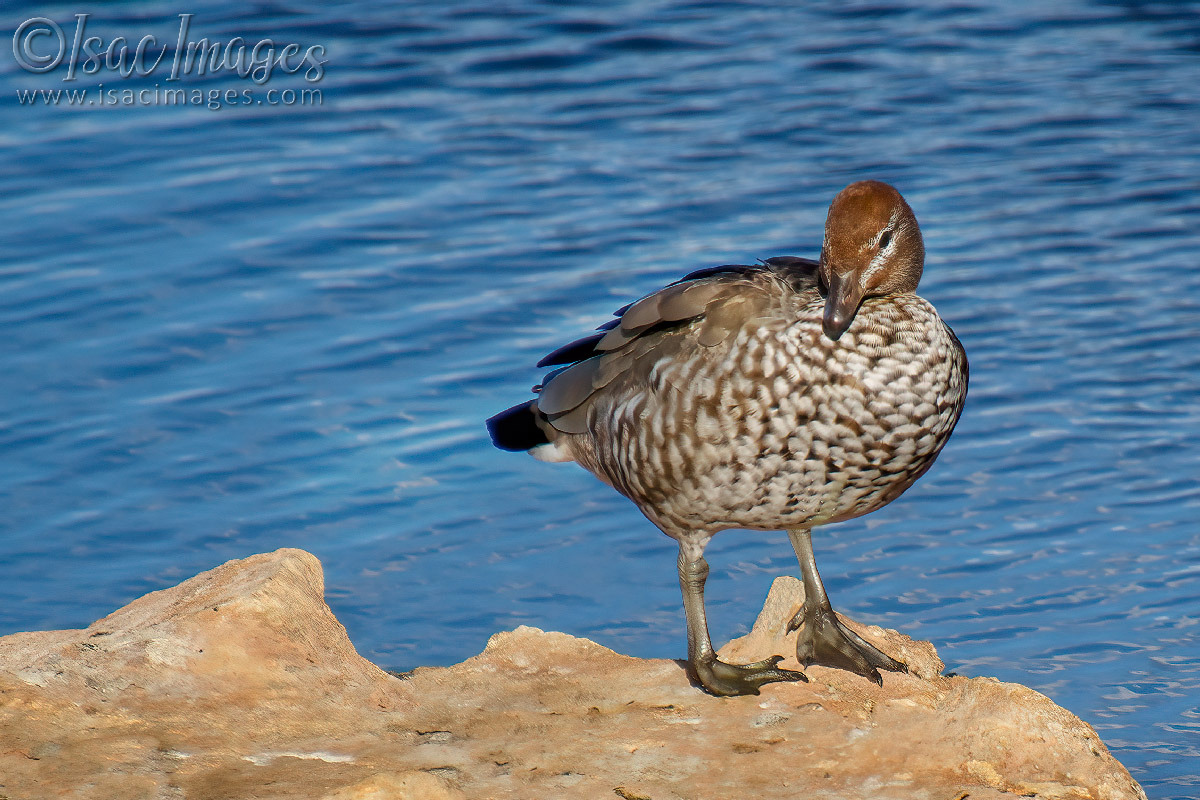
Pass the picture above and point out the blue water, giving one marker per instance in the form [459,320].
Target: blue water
[235,330]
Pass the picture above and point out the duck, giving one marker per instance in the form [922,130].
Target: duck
[779,396]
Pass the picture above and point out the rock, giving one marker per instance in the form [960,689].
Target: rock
[240,683]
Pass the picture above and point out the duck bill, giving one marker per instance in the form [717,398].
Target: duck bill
[841,304]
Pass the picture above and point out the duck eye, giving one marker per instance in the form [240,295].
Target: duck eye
[885,239]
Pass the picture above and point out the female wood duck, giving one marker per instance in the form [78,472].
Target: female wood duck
[780,396]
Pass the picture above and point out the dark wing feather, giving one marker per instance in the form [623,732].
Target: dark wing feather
[791,262]
[575,351]
[800,273]
[516,428]
[724,269]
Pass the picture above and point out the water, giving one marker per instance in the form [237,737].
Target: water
[236,330]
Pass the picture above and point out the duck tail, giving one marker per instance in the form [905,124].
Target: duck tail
[516,428]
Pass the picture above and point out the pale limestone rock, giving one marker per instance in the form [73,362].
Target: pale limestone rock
[410,785]
[240,683]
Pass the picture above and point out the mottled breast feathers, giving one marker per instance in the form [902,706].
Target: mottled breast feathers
[702,309]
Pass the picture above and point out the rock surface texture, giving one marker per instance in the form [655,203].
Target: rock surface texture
[240,683]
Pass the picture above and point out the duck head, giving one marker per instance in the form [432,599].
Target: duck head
[872,247]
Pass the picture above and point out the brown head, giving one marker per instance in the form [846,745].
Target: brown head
[872,248]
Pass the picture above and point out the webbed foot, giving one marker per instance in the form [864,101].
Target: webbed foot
[728,680]
[824,640]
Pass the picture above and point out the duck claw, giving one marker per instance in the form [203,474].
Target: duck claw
[729,680]
[826,641]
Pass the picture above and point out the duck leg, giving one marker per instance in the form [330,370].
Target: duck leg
[825,640]
[715,676]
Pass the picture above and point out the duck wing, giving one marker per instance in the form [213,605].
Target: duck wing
[703,308]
